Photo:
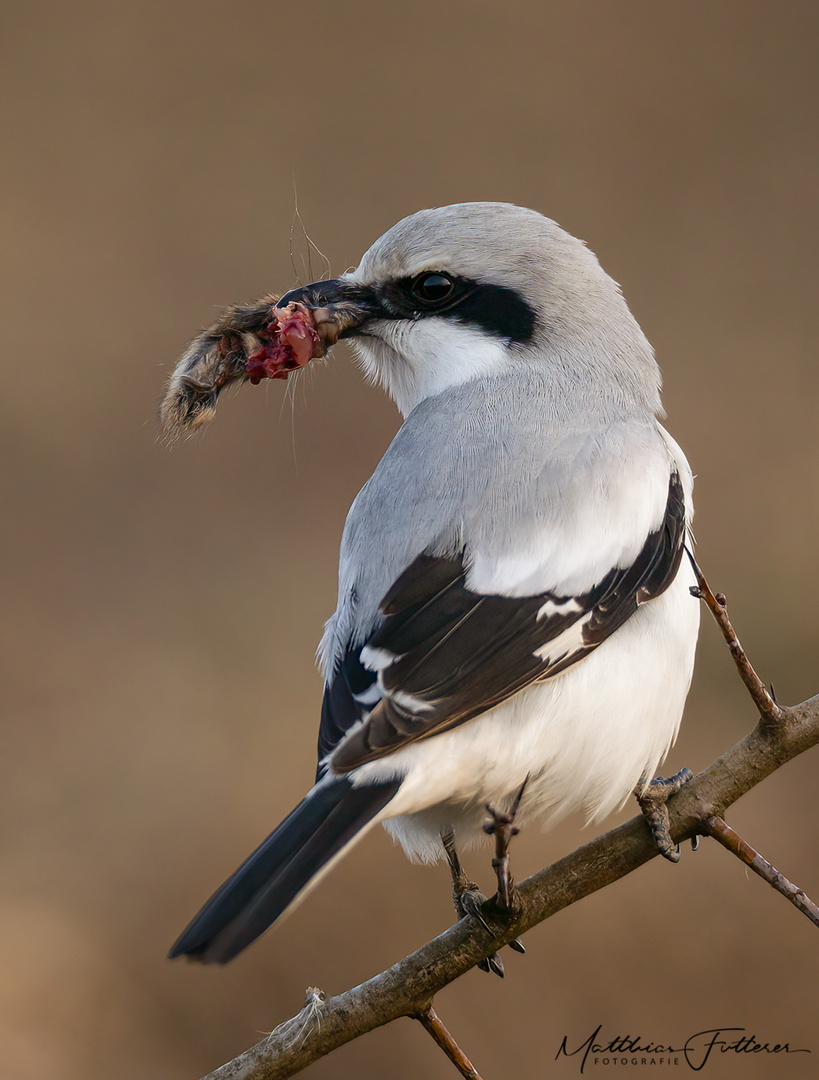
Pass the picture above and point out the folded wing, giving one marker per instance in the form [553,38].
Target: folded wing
[445,653]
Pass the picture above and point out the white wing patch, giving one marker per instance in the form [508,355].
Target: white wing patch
[569,606]
[569,641]
[377,659]
[371,696]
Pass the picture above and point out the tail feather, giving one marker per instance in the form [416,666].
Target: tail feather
[279,871]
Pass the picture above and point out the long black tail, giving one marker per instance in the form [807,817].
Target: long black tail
[279,870]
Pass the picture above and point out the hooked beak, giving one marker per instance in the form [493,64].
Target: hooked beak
[339,308]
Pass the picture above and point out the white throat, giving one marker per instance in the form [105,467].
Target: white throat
[415,360]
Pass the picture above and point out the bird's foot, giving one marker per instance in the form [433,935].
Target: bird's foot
[469,900]
[653,800]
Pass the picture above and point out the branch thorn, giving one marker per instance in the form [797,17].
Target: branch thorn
[771,713]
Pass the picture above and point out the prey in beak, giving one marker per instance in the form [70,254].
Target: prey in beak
[264,340]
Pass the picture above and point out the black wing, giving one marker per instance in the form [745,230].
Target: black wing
[349,697]
[449,654]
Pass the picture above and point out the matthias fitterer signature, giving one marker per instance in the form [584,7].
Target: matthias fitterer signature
[694,1052]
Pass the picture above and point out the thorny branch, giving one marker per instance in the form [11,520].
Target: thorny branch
[408,987]
[725,835]
[769,710]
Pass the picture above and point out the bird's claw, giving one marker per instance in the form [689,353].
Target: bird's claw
[469,900]
[653,800]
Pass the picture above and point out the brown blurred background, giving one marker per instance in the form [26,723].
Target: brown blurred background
[162,606]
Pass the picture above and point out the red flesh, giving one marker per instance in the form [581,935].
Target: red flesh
[293,342]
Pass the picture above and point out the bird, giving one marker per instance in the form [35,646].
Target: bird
[514,636]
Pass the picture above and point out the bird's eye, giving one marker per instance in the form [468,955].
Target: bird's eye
[432,288]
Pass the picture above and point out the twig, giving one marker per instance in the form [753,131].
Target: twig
[438,1030]
[715,826]
[769,710]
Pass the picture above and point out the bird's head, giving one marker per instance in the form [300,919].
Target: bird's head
[460,292]
[446,296]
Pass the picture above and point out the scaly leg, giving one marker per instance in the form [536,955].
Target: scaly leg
[468,900]
[502,827]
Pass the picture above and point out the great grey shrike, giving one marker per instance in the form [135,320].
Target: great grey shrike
[514,621]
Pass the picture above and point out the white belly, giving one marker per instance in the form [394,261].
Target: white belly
[584,738]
